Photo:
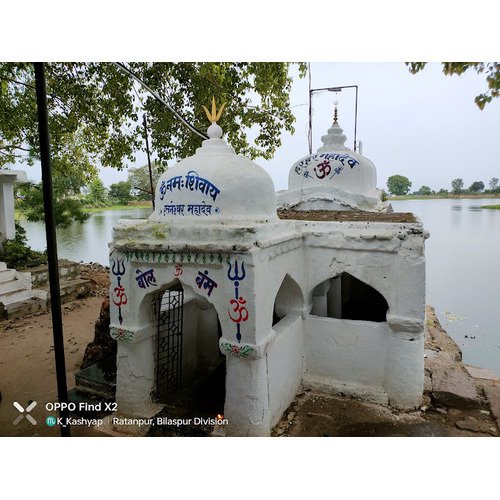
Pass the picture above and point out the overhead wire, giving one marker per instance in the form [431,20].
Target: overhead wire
[160,99]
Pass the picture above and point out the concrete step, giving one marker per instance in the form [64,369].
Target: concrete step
[12,285]
[9,298]
[70,289]
[3,266]
[6,274]
[22,308]
[40,275]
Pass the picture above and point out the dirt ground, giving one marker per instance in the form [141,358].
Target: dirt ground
[27,365]
[346,216]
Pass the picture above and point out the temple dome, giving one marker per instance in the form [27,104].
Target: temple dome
[335,165]
[333,178]
[215,185]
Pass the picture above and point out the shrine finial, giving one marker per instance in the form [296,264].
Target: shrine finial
[214,115]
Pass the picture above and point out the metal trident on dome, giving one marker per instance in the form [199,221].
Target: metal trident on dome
[214,115]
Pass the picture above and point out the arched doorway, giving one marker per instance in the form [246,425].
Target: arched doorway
[189,367]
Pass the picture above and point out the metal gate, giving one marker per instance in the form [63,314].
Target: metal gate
[168,309]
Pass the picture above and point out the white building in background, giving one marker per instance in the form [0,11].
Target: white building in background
[7,180]
[328,292]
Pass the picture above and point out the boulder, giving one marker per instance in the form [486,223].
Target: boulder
[451,384]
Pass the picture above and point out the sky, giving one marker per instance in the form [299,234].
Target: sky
[424,126]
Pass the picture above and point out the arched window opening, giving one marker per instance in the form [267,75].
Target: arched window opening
[289,300]
[346,297]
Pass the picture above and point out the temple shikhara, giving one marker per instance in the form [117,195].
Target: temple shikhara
[262,294]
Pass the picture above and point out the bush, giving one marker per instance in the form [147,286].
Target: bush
[17,255]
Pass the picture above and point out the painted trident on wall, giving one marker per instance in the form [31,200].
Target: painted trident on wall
[238,312]
[119,297]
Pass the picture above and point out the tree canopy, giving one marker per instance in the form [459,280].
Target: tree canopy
[491,69]
[425,190]
[398,184]
[139,180]
[476,187]
[95,115]
[457,186]
[120,191]
[94,111]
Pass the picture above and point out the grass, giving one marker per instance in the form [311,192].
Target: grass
[491,207]
[442,196]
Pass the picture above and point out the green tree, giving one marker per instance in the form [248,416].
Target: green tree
[425,190]
[457,186]
[493,183]
[121,191]
[491,69]
[139,180]
[67,205]
[97,193]
[476,187]
[398,184]
[95,111]
[17,254]
[95,108]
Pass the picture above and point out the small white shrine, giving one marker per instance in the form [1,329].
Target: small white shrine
[286,299]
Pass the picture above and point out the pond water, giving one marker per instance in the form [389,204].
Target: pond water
[463,272]
[87,242]
[462,254]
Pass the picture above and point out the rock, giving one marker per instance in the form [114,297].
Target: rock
[426,401]
[437,338]
[443,411]
[290,416]
[451,384]
[427,383]
[493,396]
[473,424]
[481,373]
[103,345]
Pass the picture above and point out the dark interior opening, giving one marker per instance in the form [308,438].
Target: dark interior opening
[346,297]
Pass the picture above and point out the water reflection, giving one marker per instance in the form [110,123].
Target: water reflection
[87,242]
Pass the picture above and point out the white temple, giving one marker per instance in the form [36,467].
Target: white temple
[334,178]
[299,297]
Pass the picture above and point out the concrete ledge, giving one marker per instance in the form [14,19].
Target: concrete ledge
[374,394]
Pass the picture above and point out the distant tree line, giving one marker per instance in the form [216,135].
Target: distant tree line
[399,185]
[72,200]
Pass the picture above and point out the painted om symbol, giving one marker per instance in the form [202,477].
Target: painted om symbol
[324,169]
[120,296]
[238,308]
[178,270]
